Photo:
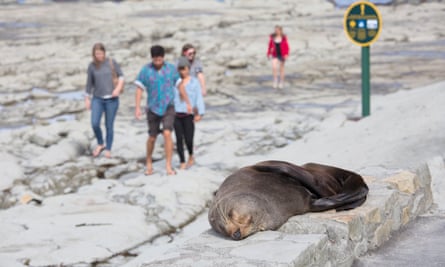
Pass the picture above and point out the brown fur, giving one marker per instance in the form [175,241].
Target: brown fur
[264,196]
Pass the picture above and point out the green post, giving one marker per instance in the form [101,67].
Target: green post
[365,82]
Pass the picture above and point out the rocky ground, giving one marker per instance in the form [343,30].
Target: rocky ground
[46,140]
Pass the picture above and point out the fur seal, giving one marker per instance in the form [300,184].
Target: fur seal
[265,195]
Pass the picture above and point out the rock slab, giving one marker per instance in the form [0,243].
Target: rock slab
[263,249]
[317,239]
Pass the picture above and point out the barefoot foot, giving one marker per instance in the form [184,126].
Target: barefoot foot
[98,150]
[171,172]
[190,162]
[148,172]
[182,166]
[107,154]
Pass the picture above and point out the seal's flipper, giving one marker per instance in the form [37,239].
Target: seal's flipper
[352,195]
[331,187]
[318,183]
[295,173]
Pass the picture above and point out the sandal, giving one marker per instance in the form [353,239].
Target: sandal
[98,150]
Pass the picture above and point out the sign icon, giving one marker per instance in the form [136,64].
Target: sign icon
[362,23]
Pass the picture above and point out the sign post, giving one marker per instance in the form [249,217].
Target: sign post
[366,90]
[363,24]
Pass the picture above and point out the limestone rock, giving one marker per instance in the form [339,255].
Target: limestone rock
[405,181]
[263,249]
[10,171]
[11,99]
[67,149]
[237,64]
[90,225]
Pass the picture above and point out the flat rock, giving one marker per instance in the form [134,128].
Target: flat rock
[262,249]
[314,239]
[74,145]
[238,63]
[10,170]
[87,224]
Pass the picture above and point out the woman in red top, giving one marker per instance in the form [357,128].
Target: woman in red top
[279,51]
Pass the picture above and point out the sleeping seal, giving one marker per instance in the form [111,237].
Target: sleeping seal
[264,196]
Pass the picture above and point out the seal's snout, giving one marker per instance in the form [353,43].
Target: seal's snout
[236,235]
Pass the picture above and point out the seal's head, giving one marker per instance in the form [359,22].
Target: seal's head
[237,216]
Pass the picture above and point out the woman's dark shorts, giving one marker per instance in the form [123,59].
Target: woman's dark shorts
[280,58]
[154,121]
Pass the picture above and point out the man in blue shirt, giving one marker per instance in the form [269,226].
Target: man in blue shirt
[158,79]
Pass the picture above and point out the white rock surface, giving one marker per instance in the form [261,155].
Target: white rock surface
[262,249]
[72,229]
[69,148]
[436,167]
[403,132]
[10,170]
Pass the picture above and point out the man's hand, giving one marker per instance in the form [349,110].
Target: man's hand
[137,113]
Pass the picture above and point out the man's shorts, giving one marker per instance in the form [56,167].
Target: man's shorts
[154,121]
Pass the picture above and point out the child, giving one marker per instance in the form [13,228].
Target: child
[185,117]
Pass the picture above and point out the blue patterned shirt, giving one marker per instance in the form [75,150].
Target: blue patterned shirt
[159,85]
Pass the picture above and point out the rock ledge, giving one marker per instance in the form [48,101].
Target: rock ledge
[317,239]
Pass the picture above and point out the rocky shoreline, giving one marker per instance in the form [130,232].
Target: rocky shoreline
[46,139]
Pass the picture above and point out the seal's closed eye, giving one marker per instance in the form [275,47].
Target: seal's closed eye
[237,235]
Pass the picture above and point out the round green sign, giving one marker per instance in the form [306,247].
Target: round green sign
[362,23]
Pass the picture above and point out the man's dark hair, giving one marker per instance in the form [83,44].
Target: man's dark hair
[157,51]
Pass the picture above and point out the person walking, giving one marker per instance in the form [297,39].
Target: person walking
[185,121]
[102,96]
[158,79]
[278,50]
[196,70]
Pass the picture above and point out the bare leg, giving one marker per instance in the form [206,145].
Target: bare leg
[149,160]
[191,161]
[275,72]
[168,144]
[281,74]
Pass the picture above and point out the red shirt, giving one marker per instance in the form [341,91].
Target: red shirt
[284,45]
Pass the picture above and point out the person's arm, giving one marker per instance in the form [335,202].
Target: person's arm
[137,111]
[184,96]
[89,88]
[269,48]
[120,85]
[201,77]
[118,89]
[202,82]
[200,105]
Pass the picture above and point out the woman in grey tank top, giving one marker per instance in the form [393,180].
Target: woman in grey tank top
[102,96]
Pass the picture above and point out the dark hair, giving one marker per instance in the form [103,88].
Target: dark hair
[157,51]
[187,47]
[97,46]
